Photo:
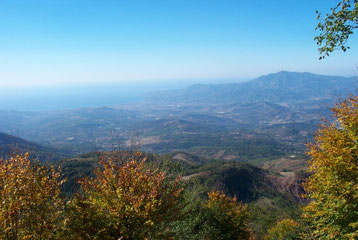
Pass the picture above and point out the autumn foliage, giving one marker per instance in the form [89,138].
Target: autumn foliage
[30,203]
[333,185]
[125,200]
[227,217]
[286,229]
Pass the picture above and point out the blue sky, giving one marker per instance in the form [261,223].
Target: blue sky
[51,43]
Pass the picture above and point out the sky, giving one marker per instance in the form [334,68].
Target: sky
[74,43]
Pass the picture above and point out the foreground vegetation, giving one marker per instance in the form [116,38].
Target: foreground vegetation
[125,200]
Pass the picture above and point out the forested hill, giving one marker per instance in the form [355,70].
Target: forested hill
[277,87]
[14,145]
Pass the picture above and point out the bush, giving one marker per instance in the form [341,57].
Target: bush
[30,203]
[286,229]
[125,200]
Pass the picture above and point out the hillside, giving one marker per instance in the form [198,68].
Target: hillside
[273,192]
[248,182]
[14,145]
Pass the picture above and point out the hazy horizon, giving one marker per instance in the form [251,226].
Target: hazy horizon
[49,98]
[27,98]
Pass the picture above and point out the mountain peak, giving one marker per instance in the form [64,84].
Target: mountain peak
[287,73]
[297,75]
[277,87]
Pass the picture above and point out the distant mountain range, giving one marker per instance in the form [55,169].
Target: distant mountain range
[271,116]
[275,88]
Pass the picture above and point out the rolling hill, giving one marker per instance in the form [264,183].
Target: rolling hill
[13,145]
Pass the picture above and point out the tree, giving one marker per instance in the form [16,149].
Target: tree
[333,185]
[30,203]
[225,218]
[286,229]
[336,27]
[125,200]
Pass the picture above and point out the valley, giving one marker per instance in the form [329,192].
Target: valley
[270,116]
